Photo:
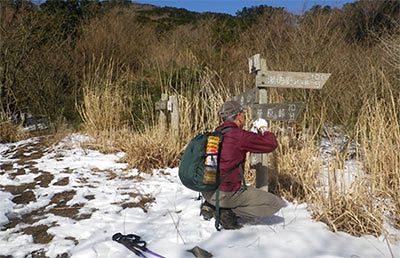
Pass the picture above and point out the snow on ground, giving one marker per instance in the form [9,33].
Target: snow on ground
[82,197]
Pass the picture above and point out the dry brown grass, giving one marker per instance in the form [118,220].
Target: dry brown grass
[149,149]
[301,175]
[380,140]
[105,110]
[10,132]
[298,168]
[356,212]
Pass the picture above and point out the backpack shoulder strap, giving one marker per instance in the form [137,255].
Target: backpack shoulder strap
[227,129]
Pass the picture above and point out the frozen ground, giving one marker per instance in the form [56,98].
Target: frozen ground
[66,201]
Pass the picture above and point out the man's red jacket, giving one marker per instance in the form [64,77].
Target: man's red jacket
[234,147]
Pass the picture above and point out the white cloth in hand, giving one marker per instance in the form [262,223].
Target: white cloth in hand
[260,126]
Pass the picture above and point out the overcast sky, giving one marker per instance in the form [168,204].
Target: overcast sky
[232,6]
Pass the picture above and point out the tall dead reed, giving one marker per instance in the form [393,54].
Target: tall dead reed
[379,132]
[105,108]
[297,173]
[9,131]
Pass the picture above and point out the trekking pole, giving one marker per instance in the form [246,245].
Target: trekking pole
[135,244]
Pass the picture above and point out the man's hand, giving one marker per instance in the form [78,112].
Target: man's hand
[260,126]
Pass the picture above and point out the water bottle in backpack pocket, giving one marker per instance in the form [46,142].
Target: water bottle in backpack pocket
[211,162]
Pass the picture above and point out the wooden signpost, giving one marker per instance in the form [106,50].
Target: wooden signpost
[169,112]
[278,111]
[257,100]
[291,80]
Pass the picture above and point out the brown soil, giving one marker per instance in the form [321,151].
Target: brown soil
[144,202]
[33,170]
[89,197]
[20,171]
[5,167]
[62,209]
[44,179]
[70,212]
[18,189]
[25,198]
[76,242]
[39,234]
[41,253]
[63,181]
[60,199]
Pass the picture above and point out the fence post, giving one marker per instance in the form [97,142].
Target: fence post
[173,101]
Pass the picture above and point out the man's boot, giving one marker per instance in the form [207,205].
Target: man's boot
[229,220]
[207,211]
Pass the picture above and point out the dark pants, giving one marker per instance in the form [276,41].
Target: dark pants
[249,203]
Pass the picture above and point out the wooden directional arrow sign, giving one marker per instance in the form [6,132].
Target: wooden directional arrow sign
[278,111]
[291,79]
[248,98]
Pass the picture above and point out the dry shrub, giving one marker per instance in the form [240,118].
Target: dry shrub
[391,47]
[106,110]
[298,168]
[10,132]
[356,212]
[379,133]
[117,35]
[105,106]
[301,176]
[380,140]
[150,149]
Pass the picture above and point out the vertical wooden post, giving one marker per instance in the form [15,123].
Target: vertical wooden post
[173,100]
[261,168]
[162,119]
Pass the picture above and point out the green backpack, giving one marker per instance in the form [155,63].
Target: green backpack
[193,168]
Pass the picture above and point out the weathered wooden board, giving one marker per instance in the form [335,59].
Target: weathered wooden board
[254,63]
[257,64]
[248,98]
[291,79]
[278,111]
